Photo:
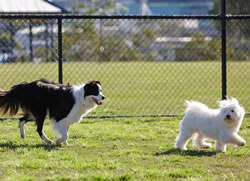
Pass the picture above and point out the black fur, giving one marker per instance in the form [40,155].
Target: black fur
[38,97]
[91,88]
[35,99]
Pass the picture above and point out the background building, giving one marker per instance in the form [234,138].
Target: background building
[157,7]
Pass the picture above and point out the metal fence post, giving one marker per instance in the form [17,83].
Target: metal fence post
[60,74]
[31,41]
[223,49]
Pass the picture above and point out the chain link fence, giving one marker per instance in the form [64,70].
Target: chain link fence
[147,65]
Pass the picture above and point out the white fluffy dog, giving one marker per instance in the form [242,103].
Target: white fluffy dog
[221,125]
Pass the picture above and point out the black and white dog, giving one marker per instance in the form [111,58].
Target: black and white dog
[64,104]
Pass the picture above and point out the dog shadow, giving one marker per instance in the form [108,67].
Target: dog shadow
[13,146]
[199,153]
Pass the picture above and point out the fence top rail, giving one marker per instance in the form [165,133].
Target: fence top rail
[77,16]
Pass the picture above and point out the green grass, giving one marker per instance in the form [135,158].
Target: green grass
[117,149]
[133,88]
[128,148]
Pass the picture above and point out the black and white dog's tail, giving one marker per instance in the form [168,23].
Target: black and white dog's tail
[10,100]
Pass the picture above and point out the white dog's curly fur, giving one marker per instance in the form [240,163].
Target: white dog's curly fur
[221,125]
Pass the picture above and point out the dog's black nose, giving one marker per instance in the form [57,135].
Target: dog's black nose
[228,116]
[103,97]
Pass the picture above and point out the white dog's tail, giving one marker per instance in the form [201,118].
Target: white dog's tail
[193,106]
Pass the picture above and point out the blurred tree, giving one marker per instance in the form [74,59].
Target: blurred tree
[10,27]
[142,41]
[10,46]
[232,7]
[239,7]
[7,44]
[202,48]
[87,40]
[81,41]
[238,30]
[114,49]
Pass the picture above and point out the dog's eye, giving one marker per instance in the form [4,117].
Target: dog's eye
[232,110]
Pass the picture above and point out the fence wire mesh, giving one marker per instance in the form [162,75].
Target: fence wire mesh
[146,66]
[28,50]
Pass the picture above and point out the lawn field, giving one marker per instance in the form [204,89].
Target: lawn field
[143,88]
[128,148]
[117,149]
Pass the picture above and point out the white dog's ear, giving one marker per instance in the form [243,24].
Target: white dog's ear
[235,101]
[187,102]
[223,103]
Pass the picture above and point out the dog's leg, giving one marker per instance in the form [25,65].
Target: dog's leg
[40,122]
[63,131]
[236,139]
[21,127]
[220,147]
[199,141]
[66,142]
[27,118]
[182,139]
[233,139]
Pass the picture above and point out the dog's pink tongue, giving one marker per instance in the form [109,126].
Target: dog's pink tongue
[99,102]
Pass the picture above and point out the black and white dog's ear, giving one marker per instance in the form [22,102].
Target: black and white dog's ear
[94,82]
[91,88]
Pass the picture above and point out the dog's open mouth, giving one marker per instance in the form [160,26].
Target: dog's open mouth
[228,120]
[97,101]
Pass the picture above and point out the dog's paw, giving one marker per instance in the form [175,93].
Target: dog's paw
[66,143]
[242,143]
[62,140]
[58,142]
[181,149]
[206,146]
[50,141]
[23,136]
[220,151]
